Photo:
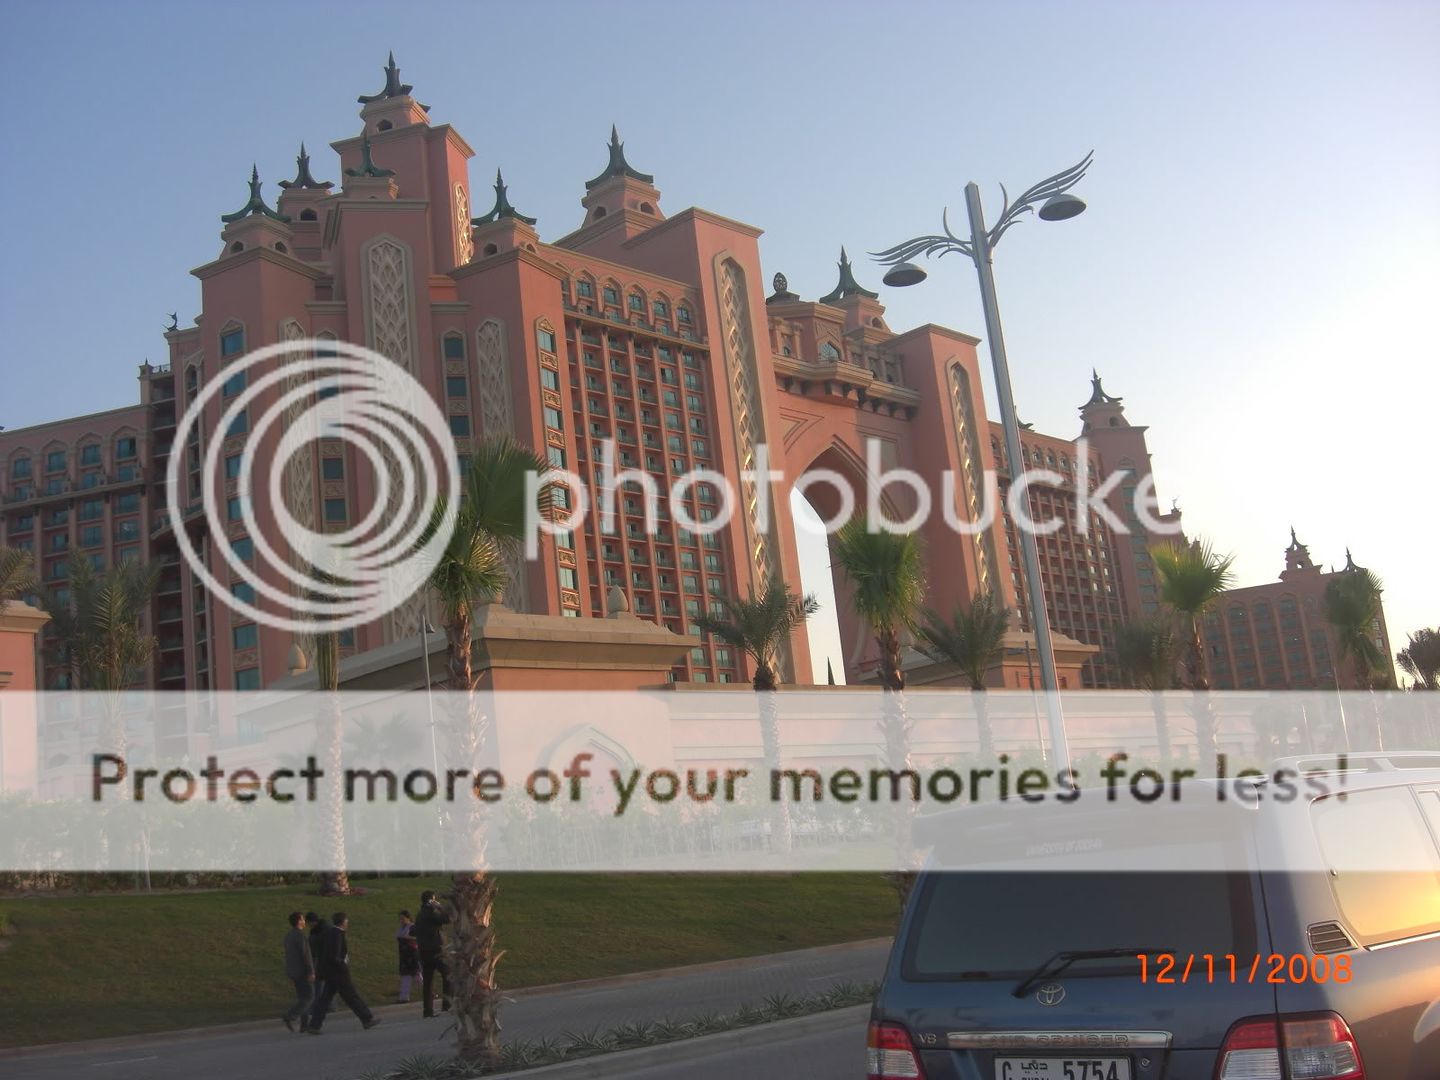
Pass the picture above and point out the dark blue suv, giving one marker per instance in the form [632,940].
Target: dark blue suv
[1208,975]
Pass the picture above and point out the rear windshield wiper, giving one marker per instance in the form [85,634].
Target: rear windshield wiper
[1064,958]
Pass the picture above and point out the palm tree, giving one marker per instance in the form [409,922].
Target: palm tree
[1147,649]
[1352,608]
[325,643]
[972,639]
[761,625]
[887,580]
[17,574]
[490,519]
[1192,578]
[1421,659]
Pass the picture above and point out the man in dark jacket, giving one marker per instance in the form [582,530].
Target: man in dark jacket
[432,950]
[332,966]
[300,969]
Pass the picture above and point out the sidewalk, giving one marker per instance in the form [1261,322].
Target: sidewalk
[242,1051]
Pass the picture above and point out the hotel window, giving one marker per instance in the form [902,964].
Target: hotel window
[232,466]
[697,425]
[243,591]
[829,353]
[691,582]
[239,426]
[90,455]
[722,657]
[692,381]
[552,420]
[245,637]
[688,358]
[127,555]
[247,679]
[662,309]
[20,469]
[584,288]
[127,530]
[332,468]
[91,510]
[243,547]
[456,387]
[125,448]
[549,379]
[92,536]
[55,461]
[667,375]
[232,342]
[233,385]
[682,313]
[693,402]
[335,510]
[637,302]
[612,296]
[463,461]
[54,487]
[545,338]
[454,347]
[568,579]
[460,427]
[698,446]
[128,503]
[233,509]
[555,456]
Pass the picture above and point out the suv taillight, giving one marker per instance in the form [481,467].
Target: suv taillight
[889,1054]
[1317,1046]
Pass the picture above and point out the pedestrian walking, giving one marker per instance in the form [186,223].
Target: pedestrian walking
[409,955]
[428,936]
[317,927]
[300,970]
[333,966]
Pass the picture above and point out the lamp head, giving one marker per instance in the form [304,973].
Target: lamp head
[1061,207]
[905,273]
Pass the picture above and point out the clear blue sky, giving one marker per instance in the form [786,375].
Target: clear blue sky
[1252,275]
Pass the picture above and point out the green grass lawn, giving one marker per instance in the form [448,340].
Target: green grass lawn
[91,966]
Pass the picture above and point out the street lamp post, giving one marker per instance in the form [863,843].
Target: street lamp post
[1055,204]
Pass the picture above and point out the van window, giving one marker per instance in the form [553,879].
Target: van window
[1003,925]
[1384,828]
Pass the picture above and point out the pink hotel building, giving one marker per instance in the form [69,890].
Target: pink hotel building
[646,328]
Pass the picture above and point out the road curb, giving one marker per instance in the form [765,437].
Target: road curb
[124,1042]
[624,1062]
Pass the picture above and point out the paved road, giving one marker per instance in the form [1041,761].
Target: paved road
[822,1055]
[345,1051]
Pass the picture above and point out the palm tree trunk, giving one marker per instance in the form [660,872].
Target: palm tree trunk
[334,879]
[770,747]
[982,722]
[1162,724]
[473,960]
[474,955]
[895,725]
[1205,747]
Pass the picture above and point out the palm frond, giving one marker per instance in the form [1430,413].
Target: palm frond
[886,572]
[1147,649]
[1192,576]
[759,624]
[17,574]
[972,638]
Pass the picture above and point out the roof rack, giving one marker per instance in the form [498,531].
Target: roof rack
[1365,761]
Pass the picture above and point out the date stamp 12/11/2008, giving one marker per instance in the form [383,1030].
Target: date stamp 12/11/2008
[1168,969]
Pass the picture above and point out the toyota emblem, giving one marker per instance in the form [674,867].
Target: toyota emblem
[1050,994]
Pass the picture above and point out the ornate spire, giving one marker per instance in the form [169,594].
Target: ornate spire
[1297,556]
[502,207]
[303,180]
[174,323]
[1350,563]
[848,286]
[256,205]
[618,165]
[1294,540]
[393,86]
[1098,396]
[367,163]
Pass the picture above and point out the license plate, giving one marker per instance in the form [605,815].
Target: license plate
[1048,1068]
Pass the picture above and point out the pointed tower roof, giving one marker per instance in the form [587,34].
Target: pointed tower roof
[1098,396]
[256,205]
[782,294]
[1297,557]
[394,88]
[367,163]
[1350,563]
[303,180]
[847,286]
[502,208]
[618,166]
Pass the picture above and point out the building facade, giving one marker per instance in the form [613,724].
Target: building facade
[1275,636]
[648,330]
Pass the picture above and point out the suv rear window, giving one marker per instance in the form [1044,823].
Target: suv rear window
[1006,924]
[1400,897]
